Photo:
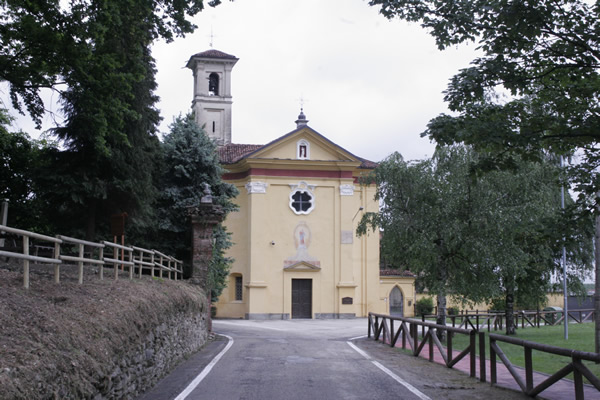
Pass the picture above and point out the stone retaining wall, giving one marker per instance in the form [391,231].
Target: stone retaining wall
[140,368]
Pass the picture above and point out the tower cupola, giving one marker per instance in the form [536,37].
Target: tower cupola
[301,121]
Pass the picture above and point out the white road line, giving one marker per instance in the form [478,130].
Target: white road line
[204,372]
[249,325]
[358,337]
[401,381]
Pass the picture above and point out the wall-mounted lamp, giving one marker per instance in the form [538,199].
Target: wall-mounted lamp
[359,210]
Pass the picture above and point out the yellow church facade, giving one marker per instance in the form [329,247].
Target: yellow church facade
[296,253]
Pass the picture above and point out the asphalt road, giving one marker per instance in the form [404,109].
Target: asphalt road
[311,359]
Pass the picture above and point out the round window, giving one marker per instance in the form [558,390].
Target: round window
[302,202]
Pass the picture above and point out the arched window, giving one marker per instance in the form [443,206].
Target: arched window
[213,84]
[396,302]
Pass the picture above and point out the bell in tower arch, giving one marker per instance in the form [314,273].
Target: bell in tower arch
[213,84]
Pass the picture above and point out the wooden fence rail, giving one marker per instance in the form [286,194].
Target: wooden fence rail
[576,366]
[80,259]
[382,326]
[60,254]
[497,320]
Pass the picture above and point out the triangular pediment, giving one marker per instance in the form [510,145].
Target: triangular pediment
[303,266]
[318,148]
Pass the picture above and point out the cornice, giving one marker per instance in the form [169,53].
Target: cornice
[282,164]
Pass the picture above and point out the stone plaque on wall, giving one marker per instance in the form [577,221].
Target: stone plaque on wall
[347,237]
[346,190]
[346,300]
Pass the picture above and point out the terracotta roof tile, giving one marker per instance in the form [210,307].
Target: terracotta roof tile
[395,272]
[233,152]
[366,164]
[212,53]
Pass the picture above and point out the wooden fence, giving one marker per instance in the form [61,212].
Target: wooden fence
[389,328]
[496,320]
[89,253]
[383,326]
[575,365]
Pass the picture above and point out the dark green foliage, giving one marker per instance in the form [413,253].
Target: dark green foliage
[96,56]
[479,237]
[190,160]
[43,41]
[21,160]
[535,86]
[498,304]
[453,311]
[424,306]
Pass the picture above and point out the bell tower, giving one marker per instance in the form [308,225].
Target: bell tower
[212,100]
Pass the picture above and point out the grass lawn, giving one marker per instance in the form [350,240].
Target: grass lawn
[581,337]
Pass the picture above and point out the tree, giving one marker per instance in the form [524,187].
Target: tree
[190,160]
[96,56]
[474,237]
[43,40]
[536,85]
[546,55]
[19,158]
[111,120]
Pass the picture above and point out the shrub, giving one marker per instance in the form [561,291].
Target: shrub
[424,306]
[453,311]
[498,304]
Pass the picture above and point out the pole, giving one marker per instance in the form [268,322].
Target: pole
[4,217]
[122,251]
[564,263]
[597,281]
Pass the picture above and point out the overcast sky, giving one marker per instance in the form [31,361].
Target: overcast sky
[369,84]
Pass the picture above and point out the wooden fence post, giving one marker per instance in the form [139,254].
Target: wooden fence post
[482,377]
[415,336]
[26,262]
[101,257]
[473,351]
[431,332]
[528,368]
[492,362]
[116,265]
[131,266]
[56,266]
[80,265]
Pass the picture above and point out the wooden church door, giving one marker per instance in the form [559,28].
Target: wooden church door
[301,298]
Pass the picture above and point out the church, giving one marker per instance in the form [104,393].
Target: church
[295,248]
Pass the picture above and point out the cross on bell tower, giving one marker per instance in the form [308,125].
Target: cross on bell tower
[212,99]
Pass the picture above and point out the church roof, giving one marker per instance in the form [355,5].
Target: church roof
[395,272]
[213,53]
[233,152]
